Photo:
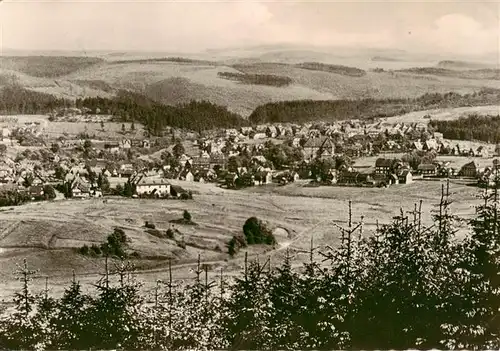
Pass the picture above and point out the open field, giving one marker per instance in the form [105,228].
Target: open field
[45,233]
[444,114]
[55,129]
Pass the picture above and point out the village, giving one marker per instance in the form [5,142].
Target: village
[37,165]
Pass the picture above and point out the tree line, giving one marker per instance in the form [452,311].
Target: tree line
[408,286]
[300,111]
[472,127]
[204,115]
[258,79]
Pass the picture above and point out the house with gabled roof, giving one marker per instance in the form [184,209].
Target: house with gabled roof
[470,170]
[427,169]
[319,147]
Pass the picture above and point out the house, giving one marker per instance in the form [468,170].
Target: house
[296,142]
[259,159]
[385,165]
[125,144]
[271,132]
[159,187]
[184,159]
[322,147]
[146,144]
[438,136]
[427,169]
[261,178]
[417,145]
[355,177]
[405,177]
[258,136]
[470,169]
[200,162]
[231,132]
[189,177]
[246,130]
[125,173]
[112,147]
[6,133]
[430,144]
[80,189]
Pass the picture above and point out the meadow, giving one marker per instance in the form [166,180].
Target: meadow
[48,233]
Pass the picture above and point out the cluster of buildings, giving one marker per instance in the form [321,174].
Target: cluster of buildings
[214,158]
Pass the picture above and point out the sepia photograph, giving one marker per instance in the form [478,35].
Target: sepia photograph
[249,175]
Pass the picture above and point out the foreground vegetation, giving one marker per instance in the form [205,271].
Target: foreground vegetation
[408,286]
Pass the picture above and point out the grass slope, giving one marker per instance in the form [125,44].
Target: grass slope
[295,211]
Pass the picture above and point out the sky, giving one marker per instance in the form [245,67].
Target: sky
[458,27]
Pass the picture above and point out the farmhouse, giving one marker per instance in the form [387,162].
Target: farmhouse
[319,147]
[355,177]
[125,144]
[427,169]
[158,187]
[80,189]
[385,165]
[470,169]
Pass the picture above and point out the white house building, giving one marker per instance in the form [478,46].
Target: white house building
[150,186]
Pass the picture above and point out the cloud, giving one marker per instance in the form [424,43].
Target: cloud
[191,26]
[454,33]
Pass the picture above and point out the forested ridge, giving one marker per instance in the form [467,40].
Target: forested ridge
[407,286]
[330,110]
[472,127]
[202,115]
[126,106]
[257,79]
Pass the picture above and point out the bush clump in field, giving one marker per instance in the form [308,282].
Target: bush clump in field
[187,219]
[235,244]
[149,225]
[256,232]
[115,245]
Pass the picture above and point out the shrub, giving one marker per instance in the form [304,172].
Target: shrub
[170,233]
[95,250]
[256,232]
[84,250]
[187,216]
[149,225]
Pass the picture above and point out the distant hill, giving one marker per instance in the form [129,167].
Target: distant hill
[384,59]
[47,66]
[465,65]
[337,69]
[171,79]
[486,73]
